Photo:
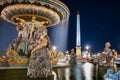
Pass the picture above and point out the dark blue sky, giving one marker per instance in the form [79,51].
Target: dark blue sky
[100,22]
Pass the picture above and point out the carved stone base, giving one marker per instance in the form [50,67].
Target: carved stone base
[39,66]
[79,59]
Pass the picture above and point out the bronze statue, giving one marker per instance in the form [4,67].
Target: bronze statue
[73,56]
[14,58]
[40,62]
[18,49]
[106,58]
[23,36]
[32,42]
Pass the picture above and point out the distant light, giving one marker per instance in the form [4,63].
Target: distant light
[113,50]
[86,51]
[54,47]
[67,52]
[88,55]
[87,47]
[4,56]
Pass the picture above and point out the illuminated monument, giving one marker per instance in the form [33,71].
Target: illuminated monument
[78,39]
[31,17]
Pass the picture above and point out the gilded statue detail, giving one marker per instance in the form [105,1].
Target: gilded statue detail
[31,44]
[40,62]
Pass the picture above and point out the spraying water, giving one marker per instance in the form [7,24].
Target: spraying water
[88,70]
[55,75]
[60,36]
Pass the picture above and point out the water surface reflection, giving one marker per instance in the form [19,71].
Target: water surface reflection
[79,71]
[88,70]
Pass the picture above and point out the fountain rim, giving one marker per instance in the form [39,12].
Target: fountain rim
[63,6]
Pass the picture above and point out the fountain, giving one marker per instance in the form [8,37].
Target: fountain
[106,58]
[110,75]
[32,17]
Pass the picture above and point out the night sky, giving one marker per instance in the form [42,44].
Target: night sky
[100,23]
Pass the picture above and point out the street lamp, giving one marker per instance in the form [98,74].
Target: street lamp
[113,50]
[87,51]
[54,47]
[87,47]
[67,52]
